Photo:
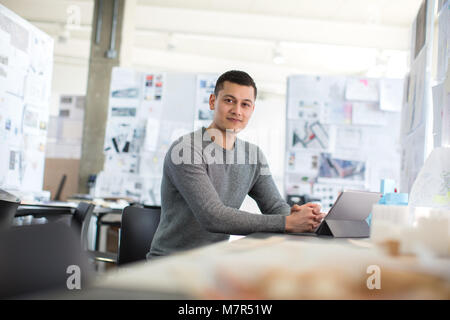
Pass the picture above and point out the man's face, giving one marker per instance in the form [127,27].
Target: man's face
[233,106]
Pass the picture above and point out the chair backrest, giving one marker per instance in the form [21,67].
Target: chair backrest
[80,221]
[83,211]
[37,258]
[8,208]
[137,231]
[7,212]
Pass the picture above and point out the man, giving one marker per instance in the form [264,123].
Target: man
[208,173]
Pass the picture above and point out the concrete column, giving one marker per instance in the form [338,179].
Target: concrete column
[102,59]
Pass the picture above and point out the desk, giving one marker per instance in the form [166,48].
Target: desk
[281,266]
[52,212]
[101,213]
[63,211]
[44,209]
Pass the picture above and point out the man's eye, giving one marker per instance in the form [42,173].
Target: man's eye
[228,100]
[246,105]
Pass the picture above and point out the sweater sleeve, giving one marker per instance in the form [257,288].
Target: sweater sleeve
[194,185]
[265,192]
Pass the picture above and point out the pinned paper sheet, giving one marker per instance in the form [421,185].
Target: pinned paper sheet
[26,61]
[205,87]
[305,163]
[438,113]
[337,113]
[151,134]
[125,85]
[368,114]
[348,138]
[415,109]
[308,111]
[341,170]
[391,94]
[308,135]
[315,89]
[362,89]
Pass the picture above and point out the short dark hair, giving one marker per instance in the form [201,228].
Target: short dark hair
[235,76]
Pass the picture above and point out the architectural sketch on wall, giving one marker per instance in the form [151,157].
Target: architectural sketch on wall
[147,113]
[26,63]
[340,138]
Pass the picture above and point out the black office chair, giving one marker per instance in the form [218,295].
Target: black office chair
[82,216]
[36,259]
[80,221]
[136,234]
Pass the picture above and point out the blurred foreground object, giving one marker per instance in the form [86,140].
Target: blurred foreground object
[422,228]
[37,259]
[8,208]
[432,185]
[330,271]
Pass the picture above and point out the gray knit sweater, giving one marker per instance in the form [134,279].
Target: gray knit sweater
[202,191]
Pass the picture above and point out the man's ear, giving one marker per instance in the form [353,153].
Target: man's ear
[212,101]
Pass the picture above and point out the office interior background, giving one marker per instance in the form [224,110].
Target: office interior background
[91,106]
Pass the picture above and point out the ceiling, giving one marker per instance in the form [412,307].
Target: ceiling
[269,39]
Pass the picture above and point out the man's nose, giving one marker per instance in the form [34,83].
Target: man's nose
[237,109]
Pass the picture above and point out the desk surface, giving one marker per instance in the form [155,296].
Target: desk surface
[280,266]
